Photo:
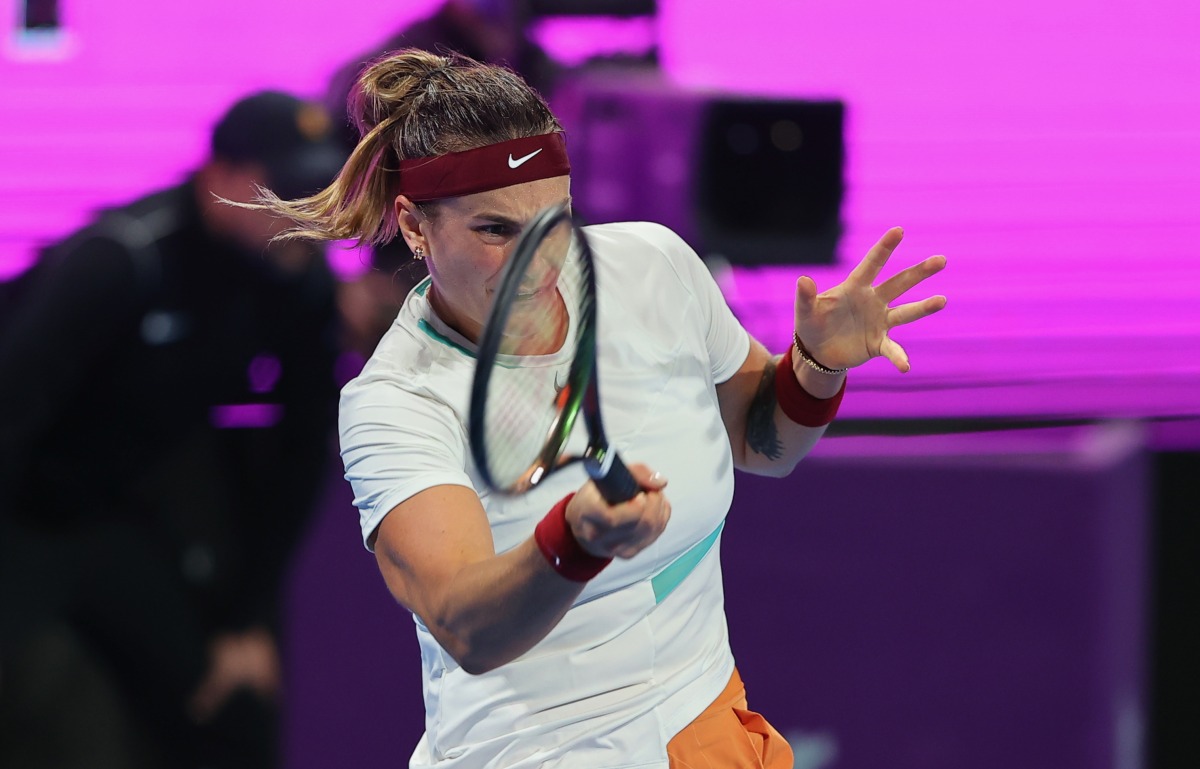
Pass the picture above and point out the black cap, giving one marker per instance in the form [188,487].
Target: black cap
[292,138]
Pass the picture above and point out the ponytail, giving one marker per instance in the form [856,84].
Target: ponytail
[358,205]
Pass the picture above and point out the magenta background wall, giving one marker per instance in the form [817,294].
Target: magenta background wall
[1051,150]
[1077,128]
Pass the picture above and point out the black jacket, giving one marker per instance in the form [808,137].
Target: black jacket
[156,376]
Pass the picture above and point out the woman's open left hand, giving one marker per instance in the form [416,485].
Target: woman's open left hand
[848,324]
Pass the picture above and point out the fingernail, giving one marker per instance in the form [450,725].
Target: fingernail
[657,477]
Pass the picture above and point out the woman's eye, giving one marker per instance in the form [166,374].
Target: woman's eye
[498,230]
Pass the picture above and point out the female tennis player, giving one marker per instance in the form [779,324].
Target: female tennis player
[556,629]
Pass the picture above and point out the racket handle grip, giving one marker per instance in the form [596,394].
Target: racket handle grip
[618,484]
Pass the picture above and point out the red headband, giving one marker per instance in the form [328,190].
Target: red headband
[484,168]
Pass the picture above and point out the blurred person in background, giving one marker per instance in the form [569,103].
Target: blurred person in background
[490,31]
[166,404]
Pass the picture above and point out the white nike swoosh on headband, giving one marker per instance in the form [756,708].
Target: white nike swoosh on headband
[520,161]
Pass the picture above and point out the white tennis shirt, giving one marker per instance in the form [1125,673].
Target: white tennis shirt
[645,648]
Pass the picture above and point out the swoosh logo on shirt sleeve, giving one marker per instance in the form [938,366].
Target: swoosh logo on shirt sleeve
[520,161]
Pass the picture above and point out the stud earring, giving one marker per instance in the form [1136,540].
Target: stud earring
[418,253]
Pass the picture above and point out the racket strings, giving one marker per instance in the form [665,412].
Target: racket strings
[530,406]
[520,413]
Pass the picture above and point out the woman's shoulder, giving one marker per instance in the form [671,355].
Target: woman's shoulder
[414,356]
[650,234]
[654,252]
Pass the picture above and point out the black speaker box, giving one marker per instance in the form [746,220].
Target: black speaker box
[750,180]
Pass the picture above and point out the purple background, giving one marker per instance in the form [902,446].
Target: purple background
[916,603]
[1050,150]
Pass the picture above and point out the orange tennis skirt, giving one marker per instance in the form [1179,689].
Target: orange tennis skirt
[728,735]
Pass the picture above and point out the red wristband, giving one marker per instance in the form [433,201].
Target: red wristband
[560,548]
[797,404]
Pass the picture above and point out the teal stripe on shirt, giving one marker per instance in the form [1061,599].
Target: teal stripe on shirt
[434,333]
[669,578]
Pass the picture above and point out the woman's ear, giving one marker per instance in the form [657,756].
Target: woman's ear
[409,220]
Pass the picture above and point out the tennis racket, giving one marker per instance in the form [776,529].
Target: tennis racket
[523,411]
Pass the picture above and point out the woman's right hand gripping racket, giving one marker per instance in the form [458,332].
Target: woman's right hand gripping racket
[520,417]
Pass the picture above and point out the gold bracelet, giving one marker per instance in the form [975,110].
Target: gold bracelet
[811,361]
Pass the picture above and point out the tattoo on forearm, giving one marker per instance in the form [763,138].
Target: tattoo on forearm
[761,434]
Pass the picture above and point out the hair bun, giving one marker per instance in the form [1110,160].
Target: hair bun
[385,83]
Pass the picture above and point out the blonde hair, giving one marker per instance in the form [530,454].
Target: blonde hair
[411,104]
